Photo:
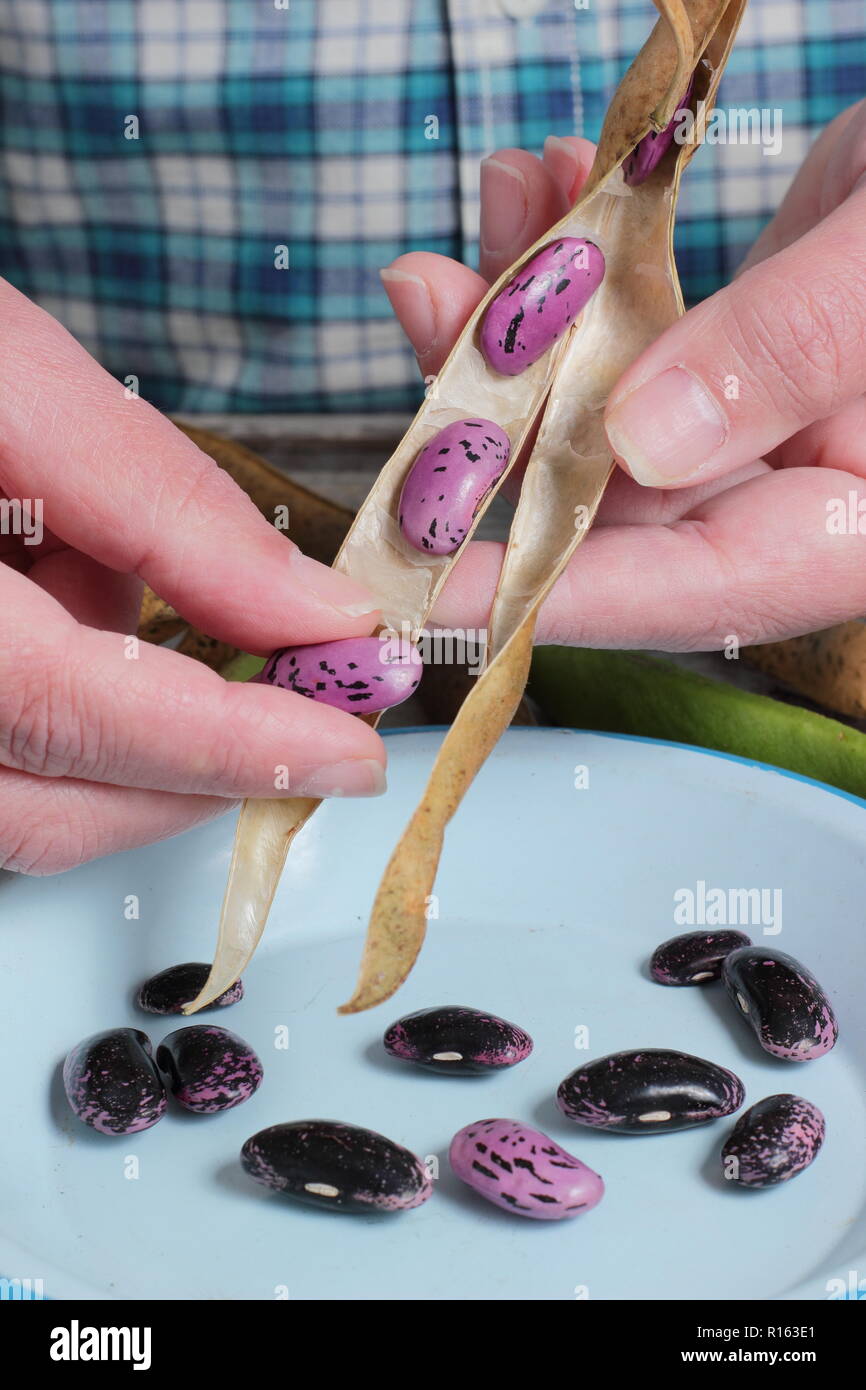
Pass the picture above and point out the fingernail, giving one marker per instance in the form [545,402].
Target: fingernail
[504,205]
[411,302]
[564,163]
[354,777]
[332,587]
[668,429]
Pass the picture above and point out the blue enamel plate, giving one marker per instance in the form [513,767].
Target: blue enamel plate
[561,873]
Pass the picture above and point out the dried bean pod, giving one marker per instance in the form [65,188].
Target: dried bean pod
[344,1167]
[168,991]
[773,1141]
[457,1039]
[695,957]
[782,1002]
[540,303]
[112,1084]
[208,1068]
[650,1091]
[448,482]
[567,472]
[361,675]
[523,1171]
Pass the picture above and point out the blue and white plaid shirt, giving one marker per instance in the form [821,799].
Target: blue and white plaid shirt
[155,154]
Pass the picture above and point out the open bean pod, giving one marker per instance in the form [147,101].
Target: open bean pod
[566,387]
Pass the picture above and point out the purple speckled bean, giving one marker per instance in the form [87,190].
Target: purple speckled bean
[343,1167]
[112,1084]
[773,1141]
[539,304]
[648,152]
[522,1171]
[167,992]
[649,1091]
[782,1001]
[448,481]
[361,675]
[457,1039]
[208,1068]
[695,957]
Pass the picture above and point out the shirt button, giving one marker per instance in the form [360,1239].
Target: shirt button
[522,9]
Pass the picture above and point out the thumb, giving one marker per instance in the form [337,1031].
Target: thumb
[767,356]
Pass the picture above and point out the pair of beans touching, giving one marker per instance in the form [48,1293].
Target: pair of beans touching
[792,1019]
[786,1008]
[116,1084]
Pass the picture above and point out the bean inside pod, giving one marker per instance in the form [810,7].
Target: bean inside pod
[448,482]
[540,303]
[650,1091]
[649,152]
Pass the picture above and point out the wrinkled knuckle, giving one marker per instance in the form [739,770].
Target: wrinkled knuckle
[36,733]
[43,842]
[798,340]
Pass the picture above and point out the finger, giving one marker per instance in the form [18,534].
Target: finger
[839,442]
[569,159]
[75,702]
[520,200]
[626,503]
[48,826]
[759,561]
[432,297]
[763,358]
[120,483]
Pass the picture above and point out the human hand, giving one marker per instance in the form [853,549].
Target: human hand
[105,743]
[705,540]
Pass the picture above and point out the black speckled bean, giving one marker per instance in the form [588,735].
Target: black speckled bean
[362,675]
[112,1084]
[208,1068]
[539,304]
[773,1141]
[695,957]
[167,992]
[649,1091]
[782,1002]
[457,1039]
[340,1166]
[447,483]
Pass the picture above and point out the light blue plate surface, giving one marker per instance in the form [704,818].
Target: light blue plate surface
[550,901]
